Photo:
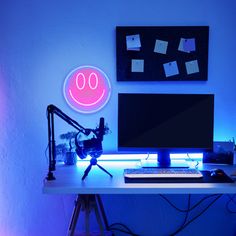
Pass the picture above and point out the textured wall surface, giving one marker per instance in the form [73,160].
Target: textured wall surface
[40,43]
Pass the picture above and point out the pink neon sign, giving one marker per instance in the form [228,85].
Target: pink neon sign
[87,89]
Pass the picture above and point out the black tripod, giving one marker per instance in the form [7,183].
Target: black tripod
[93,162]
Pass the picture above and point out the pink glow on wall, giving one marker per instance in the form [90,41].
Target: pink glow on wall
[2,98]
[87,89]
[4,169]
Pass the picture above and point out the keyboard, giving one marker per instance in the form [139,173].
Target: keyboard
[162,173]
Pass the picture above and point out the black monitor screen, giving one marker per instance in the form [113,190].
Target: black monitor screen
[151,122]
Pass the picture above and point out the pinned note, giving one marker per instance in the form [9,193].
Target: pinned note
[133,42]
[187,45]
[171,68]
[181,45]
[192,67]
[161,46]
[137,65]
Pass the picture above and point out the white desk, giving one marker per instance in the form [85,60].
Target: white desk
[68,181]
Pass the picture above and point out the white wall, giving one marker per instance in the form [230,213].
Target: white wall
[40,43]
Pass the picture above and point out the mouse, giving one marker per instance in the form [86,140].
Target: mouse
[217,173]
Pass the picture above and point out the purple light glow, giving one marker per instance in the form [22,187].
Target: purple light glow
[2,98]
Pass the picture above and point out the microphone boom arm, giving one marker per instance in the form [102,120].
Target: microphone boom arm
[51,110]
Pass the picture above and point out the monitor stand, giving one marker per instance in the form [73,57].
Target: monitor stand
[164,161]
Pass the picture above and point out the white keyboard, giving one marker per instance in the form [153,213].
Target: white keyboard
[162,173]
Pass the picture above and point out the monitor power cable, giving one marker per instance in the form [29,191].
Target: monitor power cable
[196,166]
[186,222]
[197,216]
[191,208]
[231,203]
[148,154]
[123,229]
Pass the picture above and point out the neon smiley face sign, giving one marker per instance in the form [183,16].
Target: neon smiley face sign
[87,89]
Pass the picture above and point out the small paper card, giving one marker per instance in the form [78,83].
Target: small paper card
[137,65]
[161,46]
[192,67]
[133,42]
[171,68]
[187,45]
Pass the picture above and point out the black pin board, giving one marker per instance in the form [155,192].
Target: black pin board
[162,53]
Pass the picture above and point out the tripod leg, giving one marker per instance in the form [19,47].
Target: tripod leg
[75,215]
[87,171]
[104,170]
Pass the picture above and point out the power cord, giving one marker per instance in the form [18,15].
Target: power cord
[126,230]
[191,208]
[187,211]
[186,216]
[186,222]
[147,156]
[198,215]
[45,153]
[230,202]
[196,166]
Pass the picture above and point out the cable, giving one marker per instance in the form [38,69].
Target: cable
[120,224]
[191,208]
[126,230]
[231,201]
[45,153]
[186,215]
[185,223]
[123,231]
[196,166]
[147,156]
[188,210]
[198,215]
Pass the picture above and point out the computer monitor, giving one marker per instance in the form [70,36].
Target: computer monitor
[165,123]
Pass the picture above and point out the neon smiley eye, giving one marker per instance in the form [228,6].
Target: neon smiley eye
[93,78]
[80,81]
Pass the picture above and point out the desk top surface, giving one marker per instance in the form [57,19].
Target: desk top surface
[68,181]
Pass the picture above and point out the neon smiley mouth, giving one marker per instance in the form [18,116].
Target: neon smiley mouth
[86,104]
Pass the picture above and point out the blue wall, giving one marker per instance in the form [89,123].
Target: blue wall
[40,43]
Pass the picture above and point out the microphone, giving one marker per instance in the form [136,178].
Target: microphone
[101,129]
[93,146]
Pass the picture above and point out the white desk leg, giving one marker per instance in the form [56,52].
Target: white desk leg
[87,212]
[87,203]
[74,217]
[102,211]
[98,218]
